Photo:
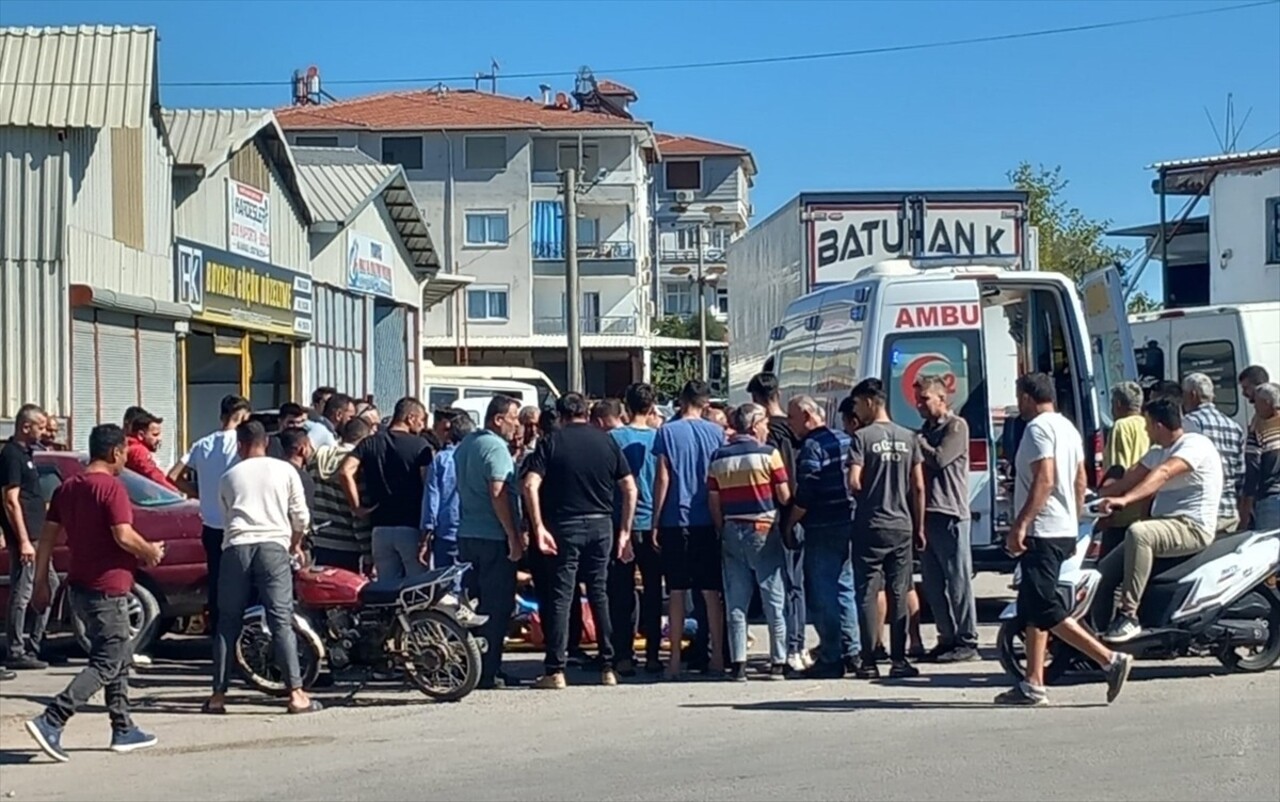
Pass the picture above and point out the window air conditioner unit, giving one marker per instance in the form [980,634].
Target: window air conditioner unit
[684,196]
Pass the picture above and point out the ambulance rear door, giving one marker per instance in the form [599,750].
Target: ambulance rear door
[1110,338]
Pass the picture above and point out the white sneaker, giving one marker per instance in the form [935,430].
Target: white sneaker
[141,660]
[796,662]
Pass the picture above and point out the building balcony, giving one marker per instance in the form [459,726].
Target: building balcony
[589,324]
[689,256]
[594,258]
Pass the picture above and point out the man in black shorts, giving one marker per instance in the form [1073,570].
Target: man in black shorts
[1048,495]
[687,538]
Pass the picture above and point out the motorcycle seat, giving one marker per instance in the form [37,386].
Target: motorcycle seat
[383,593]
[1175,569]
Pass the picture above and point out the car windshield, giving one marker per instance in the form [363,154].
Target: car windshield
[146,493]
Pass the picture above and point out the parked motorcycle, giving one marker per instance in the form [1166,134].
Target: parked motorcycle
[346,621]
[1222,602]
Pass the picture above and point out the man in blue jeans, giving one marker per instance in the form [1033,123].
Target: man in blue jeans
[488,538]
[746,485]
[439,547]
[825,507]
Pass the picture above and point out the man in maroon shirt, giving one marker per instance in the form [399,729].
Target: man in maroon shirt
[144,440]
[94,511]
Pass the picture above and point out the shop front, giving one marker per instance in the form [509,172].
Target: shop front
[249,322]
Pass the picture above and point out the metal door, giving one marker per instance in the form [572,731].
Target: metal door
[389,373]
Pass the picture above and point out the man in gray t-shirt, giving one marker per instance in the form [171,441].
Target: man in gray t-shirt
[886,475]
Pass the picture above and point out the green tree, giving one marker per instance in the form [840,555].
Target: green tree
[1141,302]
[675,366]
[1070,242]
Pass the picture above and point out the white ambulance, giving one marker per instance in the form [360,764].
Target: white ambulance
[977,324]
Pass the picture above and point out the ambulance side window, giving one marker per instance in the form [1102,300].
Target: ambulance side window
[955,357]
[794,367]
[1217,360]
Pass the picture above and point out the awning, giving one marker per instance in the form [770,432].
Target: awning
[441,286]
[85,295]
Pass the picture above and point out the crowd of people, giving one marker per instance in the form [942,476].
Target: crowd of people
[824,520]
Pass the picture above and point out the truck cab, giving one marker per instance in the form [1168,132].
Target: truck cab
[979,326]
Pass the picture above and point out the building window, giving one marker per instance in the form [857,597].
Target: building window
[684,175]
[722,300]
[677,298]
[1273,231]
[487,304]
[485,153]
[588,231]
[487,229]
[405,151]
[318,142]
[588,166]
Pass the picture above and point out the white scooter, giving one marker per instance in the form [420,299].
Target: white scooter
[1221,602]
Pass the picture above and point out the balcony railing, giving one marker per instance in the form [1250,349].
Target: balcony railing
[690,255]
[590,324]
[586,250]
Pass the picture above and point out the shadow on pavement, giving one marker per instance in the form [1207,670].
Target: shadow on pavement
[851,705]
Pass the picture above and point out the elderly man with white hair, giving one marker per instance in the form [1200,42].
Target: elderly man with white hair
[1260,498]
[1201,416]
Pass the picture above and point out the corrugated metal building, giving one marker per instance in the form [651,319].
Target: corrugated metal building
[371,254]
[241,262]
[86,325]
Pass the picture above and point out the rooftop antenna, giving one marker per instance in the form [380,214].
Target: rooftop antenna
[491,76]
[1229,138]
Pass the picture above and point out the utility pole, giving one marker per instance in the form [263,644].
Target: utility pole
[703,362]
[572,324]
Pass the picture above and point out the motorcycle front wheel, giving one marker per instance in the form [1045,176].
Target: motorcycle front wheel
[1258,658]
[1012,648]
[256,658]
[440,657]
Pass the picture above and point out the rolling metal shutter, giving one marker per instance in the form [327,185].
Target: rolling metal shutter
[158,382]
[84,378]
[117,366]
[390,375]
[339,345]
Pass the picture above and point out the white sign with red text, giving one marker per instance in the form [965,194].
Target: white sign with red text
[248,221]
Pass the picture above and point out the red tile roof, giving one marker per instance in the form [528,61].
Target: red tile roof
[606,87]
[680,145]
[451,108]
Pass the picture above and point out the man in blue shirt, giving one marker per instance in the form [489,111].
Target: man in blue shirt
[488,537]
[636,441]
[825,507]
[687,538]
[440,500]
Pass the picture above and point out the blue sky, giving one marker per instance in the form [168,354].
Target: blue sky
[1102,104]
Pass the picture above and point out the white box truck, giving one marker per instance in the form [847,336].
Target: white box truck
[821,239]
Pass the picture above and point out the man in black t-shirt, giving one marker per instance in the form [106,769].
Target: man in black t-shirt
[573,523]
[393,464]
[21,520]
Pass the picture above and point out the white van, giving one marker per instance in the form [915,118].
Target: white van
[1218,341]
[443,386]
[979,327]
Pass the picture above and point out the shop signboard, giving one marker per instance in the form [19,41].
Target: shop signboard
[248,221]
[368,265]
[231,290]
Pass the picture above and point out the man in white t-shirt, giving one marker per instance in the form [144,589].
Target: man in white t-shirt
[265,513]
[1047,499]
[1183,471]
[209,458]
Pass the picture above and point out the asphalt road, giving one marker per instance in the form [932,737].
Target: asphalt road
[1180,731]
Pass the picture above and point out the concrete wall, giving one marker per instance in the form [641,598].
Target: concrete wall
[1239,224]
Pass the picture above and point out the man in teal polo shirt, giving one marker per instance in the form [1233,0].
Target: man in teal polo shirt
[488,537]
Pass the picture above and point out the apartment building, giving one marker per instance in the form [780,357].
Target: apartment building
[698,185]
[486,170]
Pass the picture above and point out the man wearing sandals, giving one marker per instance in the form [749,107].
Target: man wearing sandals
[265,513]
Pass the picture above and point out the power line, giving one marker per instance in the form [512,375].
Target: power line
[764,60]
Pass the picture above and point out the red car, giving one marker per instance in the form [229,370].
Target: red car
[174,588]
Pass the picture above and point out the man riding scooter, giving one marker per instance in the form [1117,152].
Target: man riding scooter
[1183,471]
